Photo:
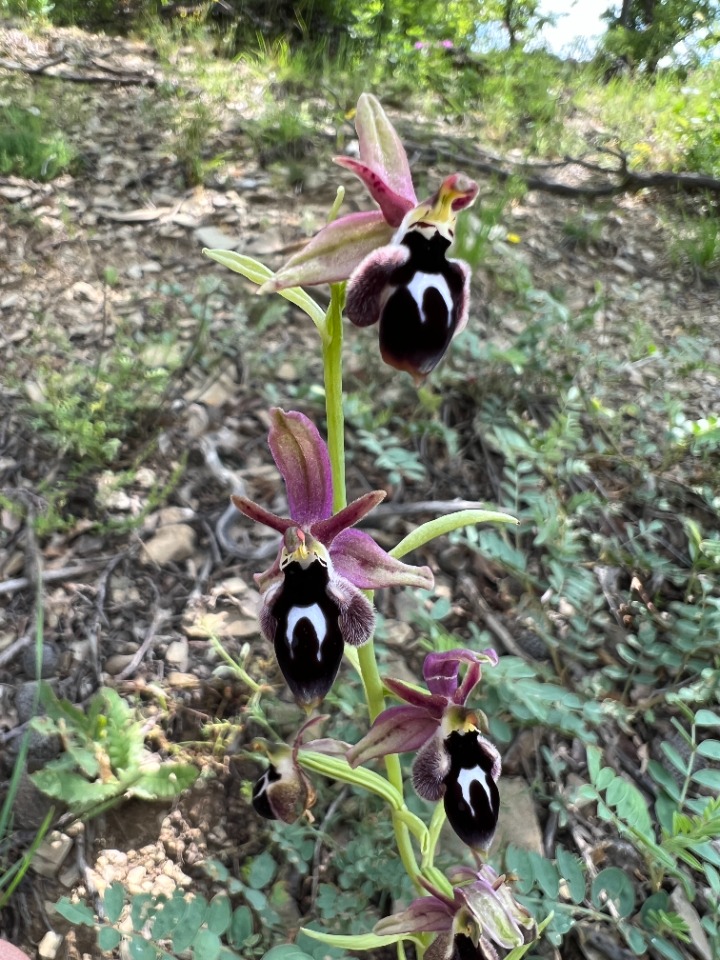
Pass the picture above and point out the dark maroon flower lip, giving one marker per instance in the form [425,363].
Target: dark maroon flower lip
[312,603]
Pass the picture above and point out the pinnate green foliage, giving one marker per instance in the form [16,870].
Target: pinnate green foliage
[104,756]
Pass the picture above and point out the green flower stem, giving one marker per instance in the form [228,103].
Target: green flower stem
[372,684]
[332,367]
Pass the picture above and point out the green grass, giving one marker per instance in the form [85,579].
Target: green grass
[30,148]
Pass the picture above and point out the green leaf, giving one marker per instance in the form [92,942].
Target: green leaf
[709,749]
[446,524]
[361,941]
[339,769]
[258,273]
[219,914]
[241,926]
[108,938]
[605,777]
[141,949]
[665,779]
[207,945]
[545,873]
[256,899]
[113,902]
[707,778]
[142,907]
[706,718]
[73,789]
[617,886]
[164,783]
[262,870]
[674,756]
[78,914]
[286,951]
[572,872]
[594,759]
[617,791]
[168,916]
[190,922]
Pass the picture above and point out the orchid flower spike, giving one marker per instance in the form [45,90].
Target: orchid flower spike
[481,915]
[396,257]
[454,762]
[311,599]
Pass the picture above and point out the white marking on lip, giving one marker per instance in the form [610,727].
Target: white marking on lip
[466,778]
[428,281]
[314,614]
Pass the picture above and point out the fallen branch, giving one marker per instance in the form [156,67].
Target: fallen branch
[115,77]
[51,576]
[616,179]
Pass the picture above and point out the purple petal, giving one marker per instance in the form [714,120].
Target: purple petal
[327,530]
[333,253]
[395,730]
[418,698]
[424,915]
[260,515]
[473,675]
[369,287]
[394,207]
[357,557]
[302,458]
[440,671]
[381,149]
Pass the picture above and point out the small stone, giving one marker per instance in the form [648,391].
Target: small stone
[117,663]
[518,822]
[48,661]
[287,372]
[49,945]
[171,544]
[164,885]
[177,654]
[215,239]
[51,854]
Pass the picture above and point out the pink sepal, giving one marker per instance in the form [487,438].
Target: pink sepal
[302,458]
[393,206]
[434,704]
[424,915]
[357,557]
[396,730]
[333,253]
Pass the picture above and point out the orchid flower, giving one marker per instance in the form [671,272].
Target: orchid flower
[395,257]
[481,914]
[283,792]
[455,762]
[311,599]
